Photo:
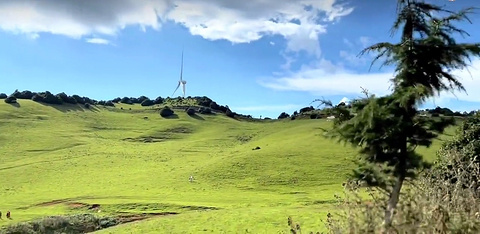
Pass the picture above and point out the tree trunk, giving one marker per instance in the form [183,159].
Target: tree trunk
[395,194]
[393,201]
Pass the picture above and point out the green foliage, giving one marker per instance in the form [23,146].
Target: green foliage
[74,224]
[3,96]
[205,110]
[283,115]
[230,113]
[465,144]
[47,97]
[166,112]
[10,100]
[23,95]
[109,103]
[158,100]
[147,102]
[444,199]
[126,100]
[387,129]
[190,111]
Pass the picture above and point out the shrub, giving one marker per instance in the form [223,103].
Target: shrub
[3,96]
[81,223]
[51,99]
[10,99]
[283,115]
[109,103]
[147,102]
[23,95]
[204,101]
[37,98]
[190,111]
[205,110]
[126,100]
[87,105]
[314,116]
[141,99]
[166,112]
[158,100]
[229,113]
[67,99]
[78,99]
[306,109]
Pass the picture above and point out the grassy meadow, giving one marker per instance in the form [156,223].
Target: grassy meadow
[61,159]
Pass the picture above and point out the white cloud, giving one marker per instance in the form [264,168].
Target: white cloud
[233,20]
[287,107]
[98,41]
[325,78]
[350,54]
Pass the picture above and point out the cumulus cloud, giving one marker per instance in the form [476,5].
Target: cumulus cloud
[325,78]
[237,21]
[286,107]
[100,41]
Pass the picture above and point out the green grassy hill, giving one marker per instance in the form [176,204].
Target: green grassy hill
[62,159]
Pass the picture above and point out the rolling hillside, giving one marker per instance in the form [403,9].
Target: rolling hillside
[63,159]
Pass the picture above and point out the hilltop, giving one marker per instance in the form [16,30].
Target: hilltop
[128,159]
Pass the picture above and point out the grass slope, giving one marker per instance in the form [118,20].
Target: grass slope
[126,163]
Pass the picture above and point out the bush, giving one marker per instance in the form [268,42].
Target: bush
[205,111]
[158,100]
[126,100]
[23,95]
[109,103]
[166,112]
[87,105]
[306,109]
[37,98]
[283,115]
[67,99]
[52,99]
[314,116]
[3,96]
[147,102]
[78,99]
[190,111]
[141,99]
[74,224]
[10,100]
[230,114]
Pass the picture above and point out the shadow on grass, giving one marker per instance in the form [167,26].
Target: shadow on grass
[174,116]
[195,116]
[67,107]
[15,104]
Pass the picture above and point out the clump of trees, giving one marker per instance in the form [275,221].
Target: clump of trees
[3,96]
[388,129]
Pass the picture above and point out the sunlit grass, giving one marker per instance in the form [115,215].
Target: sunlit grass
[128,163]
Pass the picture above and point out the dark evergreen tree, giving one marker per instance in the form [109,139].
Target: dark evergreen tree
[387,129]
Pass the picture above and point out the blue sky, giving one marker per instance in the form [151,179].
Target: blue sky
[259,57]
